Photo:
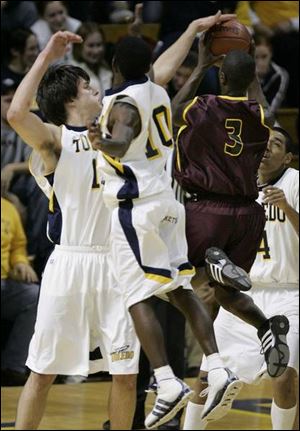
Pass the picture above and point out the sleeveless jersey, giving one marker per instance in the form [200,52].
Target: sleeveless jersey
[221,145]
[77,215]
[140,173]
[277,261]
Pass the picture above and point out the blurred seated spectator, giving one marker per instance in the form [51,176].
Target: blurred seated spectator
[278,20]
[19,296]
[90,56]
[21,51]
[53,17]
[16,180]
[120,12]
[274,79]
[16,14]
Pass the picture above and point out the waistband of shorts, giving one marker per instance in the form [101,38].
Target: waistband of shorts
[207,196]
[83,248]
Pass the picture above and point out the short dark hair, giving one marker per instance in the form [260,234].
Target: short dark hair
[58,87]
[289,144]
[133,57]
[239,69]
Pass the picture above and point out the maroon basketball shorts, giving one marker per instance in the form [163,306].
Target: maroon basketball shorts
[236,228]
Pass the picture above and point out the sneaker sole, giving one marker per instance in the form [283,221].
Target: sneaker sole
[225,404]
[181,404]
[236,276]
[280,353]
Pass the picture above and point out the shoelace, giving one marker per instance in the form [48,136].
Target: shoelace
[204,392]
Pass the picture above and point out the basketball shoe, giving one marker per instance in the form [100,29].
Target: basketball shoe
[168,403]
[221,270]
[273,339]
[223,388]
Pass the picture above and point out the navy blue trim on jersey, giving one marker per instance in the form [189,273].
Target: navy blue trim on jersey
[125,217]
[55,216]
[130,190]
[185,266]
[126,84]
[76,128]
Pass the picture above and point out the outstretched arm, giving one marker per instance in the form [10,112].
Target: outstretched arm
[169,61]
[255,92]
[125,123]
[29,126]
[205,60]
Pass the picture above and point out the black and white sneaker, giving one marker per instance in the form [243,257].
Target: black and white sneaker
[163,411]
[223,388]
[274,346]
[220,269]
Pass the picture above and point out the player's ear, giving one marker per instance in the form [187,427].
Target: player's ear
[288,158]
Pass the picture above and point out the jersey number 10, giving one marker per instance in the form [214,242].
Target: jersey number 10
[162,120]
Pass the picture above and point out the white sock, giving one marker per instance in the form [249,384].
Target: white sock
[192,420]
[214,361]
[282,419]
[163,373]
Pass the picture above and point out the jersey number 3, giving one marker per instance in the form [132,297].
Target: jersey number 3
[234,130]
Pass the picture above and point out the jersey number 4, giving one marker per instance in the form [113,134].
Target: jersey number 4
[233,127]
[161,118]
[264,246]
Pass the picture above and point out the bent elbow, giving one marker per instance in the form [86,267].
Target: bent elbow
[14,116]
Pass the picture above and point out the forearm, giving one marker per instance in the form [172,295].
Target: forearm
[186,93]
[169,61]
[113,147]
[293,217]
[255,92]
[27,89]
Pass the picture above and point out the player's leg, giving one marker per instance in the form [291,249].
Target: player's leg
[141,263]
[284,403]
[122,401]
[32,402]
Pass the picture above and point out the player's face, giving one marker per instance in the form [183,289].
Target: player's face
[56,15]
[88,99]
[263,56]
[93,49]
[181,76]
[31,51]
[275,155]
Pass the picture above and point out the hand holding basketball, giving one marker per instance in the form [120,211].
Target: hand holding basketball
[228,36]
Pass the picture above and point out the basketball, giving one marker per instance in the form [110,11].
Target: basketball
[228,36]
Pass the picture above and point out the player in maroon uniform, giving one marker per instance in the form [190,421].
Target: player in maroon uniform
[221,142]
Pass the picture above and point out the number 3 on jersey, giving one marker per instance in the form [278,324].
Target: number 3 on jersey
[234,130]
[162,120]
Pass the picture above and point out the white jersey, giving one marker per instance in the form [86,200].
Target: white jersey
[77,214]
[277,261]
[140,173]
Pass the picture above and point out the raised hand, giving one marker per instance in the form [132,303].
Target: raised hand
[203,24]
[58,44]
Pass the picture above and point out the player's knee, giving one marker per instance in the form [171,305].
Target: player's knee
[41,382]
[128,382]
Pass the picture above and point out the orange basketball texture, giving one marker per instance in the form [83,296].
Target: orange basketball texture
[228,36]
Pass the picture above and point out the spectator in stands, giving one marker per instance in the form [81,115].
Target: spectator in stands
[53,17]
[19,296]
[274,79]
[17,14]
[21,50]
[278,20]
[17,181]
[90,56]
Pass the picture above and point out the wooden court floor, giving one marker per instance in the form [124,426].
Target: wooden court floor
[83,407]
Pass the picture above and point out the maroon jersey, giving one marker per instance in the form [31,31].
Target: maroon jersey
[221,146]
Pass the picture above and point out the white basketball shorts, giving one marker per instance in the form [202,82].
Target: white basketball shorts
[81,313]
[238,342]
[149,248]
